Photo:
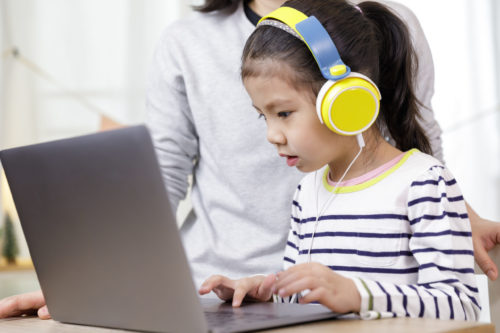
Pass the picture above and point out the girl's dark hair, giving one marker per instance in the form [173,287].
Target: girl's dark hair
[372,41]
[213,5]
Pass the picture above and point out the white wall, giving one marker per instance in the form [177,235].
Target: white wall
[78,58]
[98,49]
[463,36]
[101,51]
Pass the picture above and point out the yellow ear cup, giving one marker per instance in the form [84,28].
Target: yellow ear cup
[349,106]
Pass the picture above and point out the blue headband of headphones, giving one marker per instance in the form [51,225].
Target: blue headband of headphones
[317,39]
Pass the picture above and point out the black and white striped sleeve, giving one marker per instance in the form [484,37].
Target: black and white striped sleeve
[441,243]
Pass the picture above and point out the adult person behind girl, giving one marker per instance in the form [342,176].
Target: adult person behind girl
[202,123]
[391,237]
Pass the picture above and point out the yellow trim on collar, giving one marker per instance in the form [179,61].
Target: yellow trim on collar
[373,181]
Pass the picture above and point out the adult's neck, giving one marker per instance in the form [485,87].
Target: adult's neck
[264,7]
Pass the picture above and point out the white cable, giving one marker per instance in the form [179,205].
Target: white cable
[361,144]
[330,200]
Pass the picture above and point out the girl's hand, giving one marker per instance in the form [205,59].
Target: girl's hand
[334,291]
[255,288]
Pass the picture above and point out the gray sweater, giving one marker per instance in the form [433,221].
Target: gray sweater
[203,124]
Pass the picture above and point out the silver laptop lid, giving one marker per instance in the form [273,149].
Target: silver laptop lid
[101,233]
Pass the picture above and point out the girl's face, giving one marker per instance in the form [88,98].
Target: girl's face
[293,125]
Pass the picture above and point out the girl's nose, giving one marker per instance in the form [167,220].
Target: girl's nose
[275,136]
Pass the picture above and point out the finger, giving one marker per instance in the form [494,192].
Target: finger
[315,295]
[485,263]
[19,304]
[223,293]
[291,270]
[290,277]
[286,275]
[203,290]
[306,282]
[311,268]
[326,297]
[210,283]
[43,312]
[239,294]
[266,288]
[215,281]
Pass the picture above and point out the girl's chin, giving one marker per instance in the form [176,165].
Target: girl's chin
[306,168]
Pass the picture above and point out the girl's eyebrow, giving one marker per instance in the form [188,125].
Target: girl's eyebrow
[276,103]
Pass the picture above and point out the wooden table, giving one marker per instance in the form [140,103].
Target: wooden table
[407,325]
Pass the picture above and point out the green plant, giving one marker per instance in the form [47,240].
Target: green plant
[10,249]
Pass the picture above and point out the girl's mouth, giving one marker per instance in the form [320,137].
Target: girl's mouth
[292,161]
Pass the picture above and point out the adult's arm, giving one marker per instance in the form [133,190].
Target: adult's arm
[168,116]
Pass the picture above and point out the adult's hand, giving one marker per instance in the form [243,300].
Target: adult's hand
[29,303]
[485,236]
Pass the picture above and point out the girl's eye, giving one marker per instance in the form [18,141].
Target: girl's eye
[261,116]
[284,114]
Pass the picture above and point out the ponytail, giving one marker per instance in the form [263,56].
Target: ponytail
[214,5]
[397,66]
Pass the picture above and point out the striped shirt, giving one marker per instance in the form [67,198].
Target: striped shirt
[404,238]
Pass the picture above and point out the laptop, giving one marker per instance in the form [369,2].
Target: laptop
[105,243]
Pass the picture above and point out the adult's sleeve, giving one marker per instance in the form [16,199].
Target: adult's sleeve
[169,118]
[442,246]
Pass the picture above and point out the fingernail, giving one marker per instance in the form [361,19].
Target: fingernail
[281,292]
[491,274]
[43,311]
[273,290]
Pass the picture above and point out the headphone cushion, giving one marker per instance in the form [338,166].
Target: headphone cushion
[348,106]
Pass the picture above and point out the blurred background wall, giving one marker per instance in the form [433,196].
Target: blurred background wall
[464,37]
[67,66]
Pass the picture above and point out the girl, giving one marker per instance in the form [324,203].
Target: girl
[390,237]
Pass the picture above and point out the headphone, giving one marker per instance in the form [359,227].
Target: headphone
[349,102]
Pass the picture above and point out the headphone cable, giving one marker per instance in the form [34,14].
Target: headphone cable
[361,144]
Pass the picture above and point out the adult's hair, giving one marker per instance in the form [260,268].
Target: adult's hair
[213,5]
[371,40]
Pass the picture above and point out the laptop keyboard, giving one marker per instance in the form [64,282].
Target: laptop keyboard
[222,317]
[232,322]
[216,318]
